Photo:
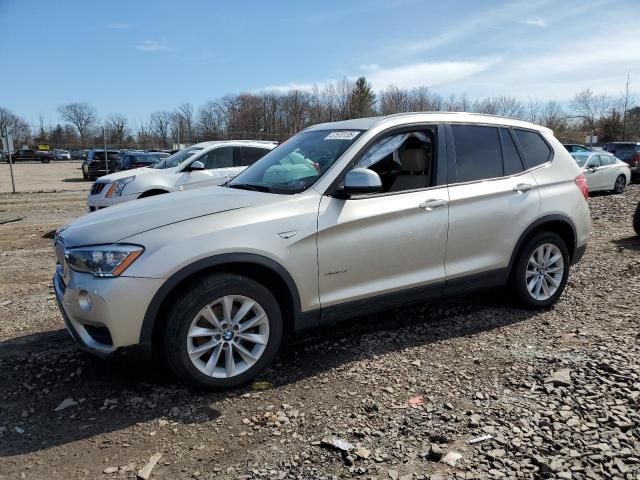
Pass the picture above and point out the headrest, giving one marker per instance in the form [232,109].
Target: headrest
[414,160]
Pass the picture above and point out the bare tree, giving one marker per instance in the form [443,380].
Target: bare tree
[81,115]
[119,128]
[159,123]
[211,118]
[15,126]
[591,107]
[185,112]
[626,103]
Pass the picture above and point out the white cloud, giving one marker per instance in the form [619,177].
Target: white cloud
[561,69]
[490,18]
[535,22]
[151,46]
[428,74]
[404,76]
[120,25]
[286,87]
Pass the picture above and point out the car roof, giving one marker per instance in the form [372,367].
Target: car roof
[258,143]
[449,117]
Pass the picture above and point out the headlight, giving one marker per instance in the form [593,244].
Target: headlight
[115,190]
[103,260]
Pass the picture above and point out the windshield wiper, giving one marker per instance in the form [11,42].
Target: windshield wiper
[250,186]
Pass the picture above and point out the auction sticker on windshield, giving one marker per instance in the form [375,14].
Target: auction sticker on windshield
[342,135]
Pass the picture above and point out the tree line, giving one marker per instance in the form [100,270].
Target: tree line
[276,115]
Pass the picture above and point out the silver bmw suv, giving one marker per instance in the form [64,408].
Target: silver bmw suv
[342,219]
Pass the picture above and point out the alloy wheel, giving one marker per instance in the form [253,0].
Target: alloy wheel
[228,336]
[545,270]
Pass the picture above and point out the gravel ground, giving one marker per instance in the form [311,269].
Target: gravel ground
[399,395]
[58,176]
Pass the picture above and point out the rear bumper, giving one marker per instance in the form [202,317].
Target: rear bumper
[578,254]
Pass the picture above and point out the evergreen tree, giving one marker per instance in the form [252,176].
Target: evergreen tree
[362,99]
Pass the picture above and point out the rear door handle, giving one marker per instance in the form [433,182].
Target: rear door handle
[523,187]
[433,203]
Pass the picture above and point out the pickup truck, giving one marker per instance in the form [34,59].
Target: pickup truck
[29,154]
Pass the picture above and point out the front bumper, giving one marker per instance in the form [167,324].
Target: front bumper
[96,202]
[103,314]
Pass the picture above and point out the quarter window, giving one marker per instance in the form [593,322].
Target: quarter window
[536,151]
[510,156]
[478,152]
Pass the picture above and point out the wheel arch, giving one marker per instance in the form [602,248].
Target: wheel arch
[150,192]
[559,224]
[257,267]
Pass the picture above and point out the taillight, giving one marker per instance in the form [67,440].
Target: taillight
[635,161]
[581,183]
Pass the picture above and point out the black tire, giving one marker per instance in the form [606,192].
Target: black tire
[636,220]
[621,183]
[195,297]
[45,160]
[520,268]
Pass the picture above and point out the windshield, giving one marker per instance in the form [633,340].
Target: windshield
[177,158]
[296,164]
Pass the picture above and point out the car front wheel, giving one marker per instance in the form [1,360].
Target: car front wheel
[222,332]
[541,270]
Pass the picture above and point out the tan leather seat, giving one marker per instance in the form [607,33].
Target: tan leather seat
[415,170]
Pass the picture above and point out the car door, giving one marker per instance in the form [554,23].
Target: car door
[610,170]
[377,244]
[218,168]
[593,173]
[493,198]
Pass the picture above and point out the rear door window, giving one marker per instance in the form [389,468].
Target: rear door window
[606,160]
[510,156]
[535,149]
[218,158]
[478,152]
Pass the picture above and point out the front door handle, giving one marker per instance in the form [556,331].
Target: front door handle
[433,203]
[523,187]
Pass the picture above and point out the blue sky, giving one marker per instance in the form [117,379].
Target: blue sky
[138,56]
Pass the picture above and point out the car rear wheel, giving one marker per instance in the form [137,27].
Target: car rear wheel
[636,220]
[222,332]
[621,183]
[541,270]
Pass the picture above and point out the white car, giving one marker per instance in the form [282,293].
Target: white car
[201,165]
[343,219]
[603,171]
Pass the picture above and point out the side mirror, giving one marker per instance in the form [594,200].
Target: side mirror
[361,180]
[197,165]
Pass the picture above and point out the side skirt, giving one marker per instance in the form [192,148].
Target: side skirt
[389,301]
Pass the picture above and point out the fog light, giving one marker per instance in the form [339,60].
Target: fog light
[84,300]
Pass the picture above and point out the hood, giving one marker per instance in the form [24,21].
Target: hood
[116,223]
[112,177]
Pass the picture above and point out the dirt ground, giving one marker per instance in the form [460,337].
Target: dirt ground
[550,394]
[55,176]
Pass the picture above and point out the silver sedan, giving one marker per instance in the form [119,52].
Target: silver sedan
[603,171]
